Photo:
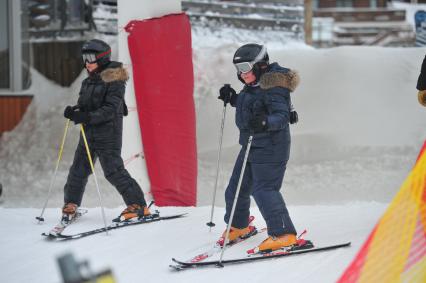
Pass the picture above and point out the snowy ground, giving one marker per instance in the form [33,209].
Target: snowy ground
[142,253]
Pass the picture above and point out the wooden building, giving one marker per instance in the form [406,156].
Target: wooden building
[33,35]
[349,3]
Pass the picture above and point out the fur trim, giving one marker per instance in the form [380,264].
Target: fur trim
[114,74]
[288,80]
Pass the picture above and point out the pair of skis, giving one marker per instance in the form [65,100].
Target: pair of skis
[183,265]
[57,235]
[302,247]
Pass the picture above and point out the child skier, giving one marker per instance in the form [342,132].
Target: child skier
[263,110]
[100,108]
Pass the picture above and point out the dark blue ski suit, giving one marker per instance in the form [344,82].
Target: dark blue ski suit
[269,151]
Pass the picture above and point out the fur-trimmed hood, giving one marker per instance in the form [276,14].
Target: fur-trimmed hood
[278,76]
[114,72]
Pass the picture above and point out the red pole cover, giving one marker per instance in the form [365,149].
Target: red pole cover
[161,54]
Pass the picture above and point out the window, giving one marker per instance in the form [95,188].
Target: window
[344,3]
[14,46]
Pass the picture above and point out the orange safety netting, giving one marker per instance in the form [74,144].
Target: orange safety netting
[395,251]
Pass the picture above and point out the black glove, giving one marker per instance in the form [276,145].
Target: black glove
[258,123]
[80,117]
[228,95]
[294,118]
[76,116]
[68,112]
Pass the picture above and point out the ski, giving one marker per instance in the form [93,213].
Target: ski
[144,220]
[60,227]
[181,265]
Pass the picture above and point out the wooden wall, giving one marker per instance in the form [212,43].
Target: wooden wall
[59,61]
[12,108]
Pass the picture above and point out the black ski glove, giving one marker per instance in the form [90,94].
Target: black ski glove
[258,123]
[80,117]
[68,112]
[294,117]
[228,95]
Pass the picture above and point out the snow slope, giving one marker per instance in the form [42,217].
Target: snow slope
[142,253]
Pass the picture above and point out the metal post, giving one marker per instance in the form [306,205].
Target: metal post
[89,156]
[211,224]
[52,181]
[228,228]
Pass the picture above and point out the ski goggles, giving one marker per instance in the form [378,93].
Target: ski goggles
[243,67]
[92,57]
[89,58]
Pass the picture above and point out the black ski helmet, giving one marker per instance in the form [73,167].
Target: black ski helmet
[101,50]
[256,58]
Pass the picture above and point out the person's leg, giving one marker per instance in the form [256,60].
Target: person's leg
[114,171]
[78,176]
[267,181]
[242,209]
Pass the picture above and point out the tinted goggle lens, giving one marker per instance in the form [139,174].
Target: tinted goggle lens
[89,58]
[244,67]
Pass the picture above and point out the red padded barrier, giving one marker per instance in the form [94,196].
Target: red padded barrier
[161,54]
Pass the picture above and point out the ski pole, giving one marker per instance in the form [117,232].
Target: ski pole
[52,181]
[211,224]
[89,156]
[228,228]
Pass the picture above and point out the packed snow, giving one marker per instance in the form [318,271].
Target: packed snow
[359,134]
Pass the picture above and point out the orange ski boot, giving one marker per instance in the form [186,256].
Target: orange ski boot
[273,243]
[69,212]
[236,234]
[133,212]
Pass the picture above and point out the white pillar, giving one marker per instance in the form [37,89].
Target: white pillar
[16,45]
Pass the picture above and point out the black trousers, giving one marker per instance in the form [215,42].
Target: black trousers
[114,171]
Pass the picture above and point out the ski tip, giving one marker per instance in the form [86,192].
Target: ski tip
[49,236]
[176,267]
[174,216]
[180,262]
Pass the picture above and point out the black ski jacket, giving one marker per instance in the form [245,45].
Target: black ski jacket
[102,96]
